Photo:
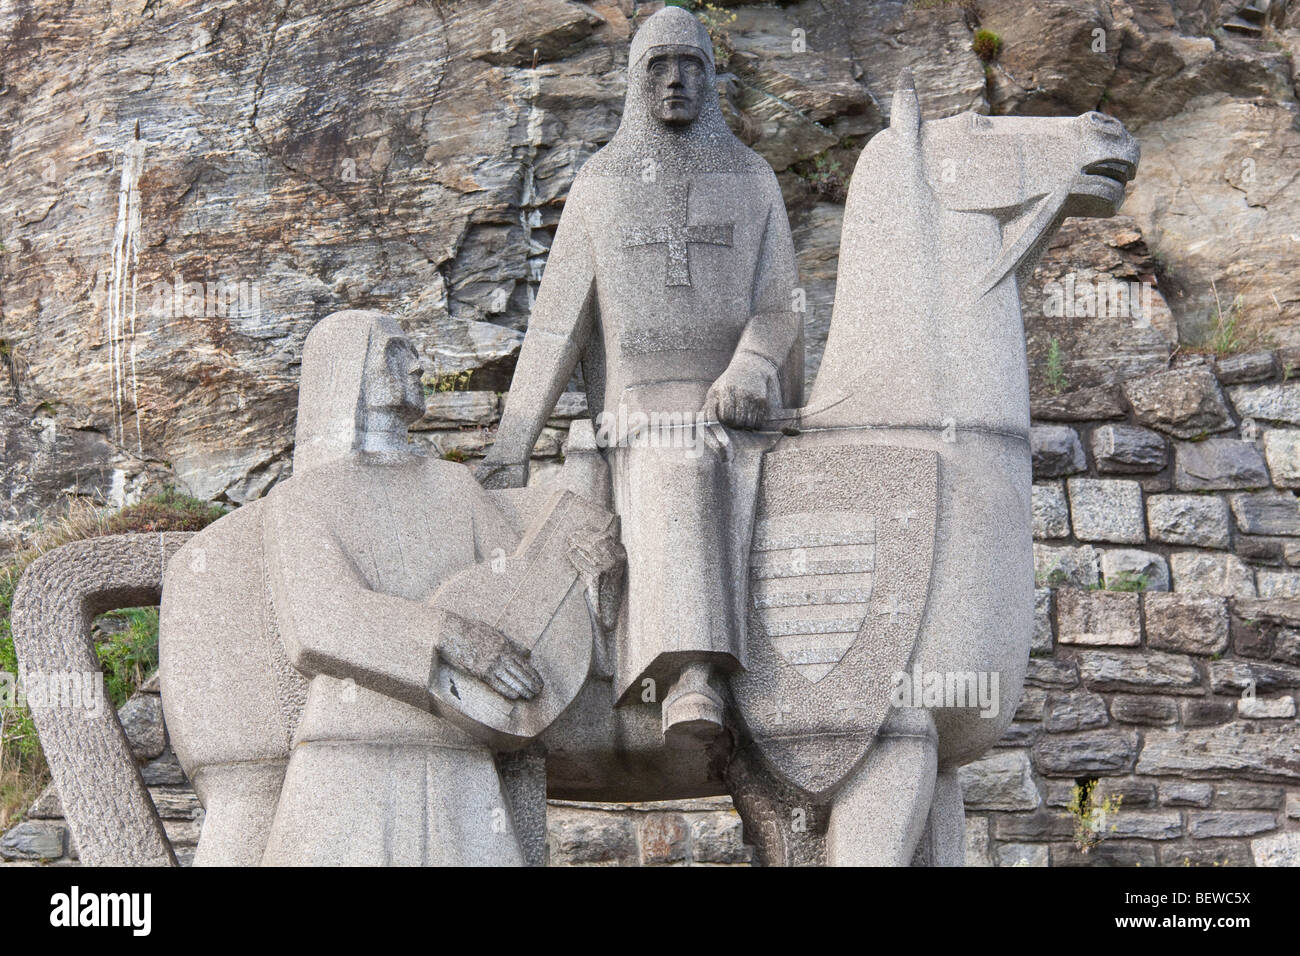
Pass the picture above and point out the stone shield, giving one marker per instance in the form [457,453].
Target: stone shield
[839,573]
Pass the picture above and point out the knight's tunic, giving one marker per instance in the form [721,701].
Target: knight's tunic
[678,268]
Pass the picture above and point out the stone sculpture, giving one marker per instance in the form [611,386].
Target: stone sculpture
[886,524]
[794,568]
[361,547]
[914,448]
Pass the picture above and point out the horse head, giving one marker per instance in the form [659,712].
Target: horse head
[944,219]
[1030,173]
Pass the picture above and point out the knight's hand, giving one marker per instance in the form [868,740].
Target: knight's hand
[484,652]
[741,397]
[594,552]
[499,474]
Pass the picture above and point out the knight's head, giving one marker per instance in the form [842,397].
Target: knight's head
[670,67]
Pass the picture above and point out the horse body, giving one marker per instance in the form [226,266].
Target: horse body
[926,350]
[943,222]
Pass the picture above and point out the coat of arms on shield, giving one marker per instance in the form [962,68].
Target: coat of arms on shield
[839,573]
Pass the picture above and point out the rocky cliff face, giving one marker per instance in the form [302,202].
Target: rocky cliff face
[188,186]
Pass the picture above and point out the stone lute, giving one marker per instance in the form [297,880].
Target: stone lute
[536,597]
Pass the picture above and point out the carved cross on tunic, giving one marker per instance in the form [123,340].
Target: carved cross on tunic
[677,233]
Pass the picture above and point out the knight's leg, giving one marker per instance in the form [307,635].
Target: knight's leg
[944,841]
[692,709]
[880,812]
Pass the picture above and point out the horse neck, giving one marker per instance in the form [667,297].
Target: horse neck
[912,341]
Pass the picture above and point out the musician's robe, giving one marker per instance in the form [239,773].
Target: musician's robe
[354,552]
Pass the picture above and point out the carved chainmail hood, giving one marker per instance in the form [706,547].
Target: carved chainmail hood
[643,141]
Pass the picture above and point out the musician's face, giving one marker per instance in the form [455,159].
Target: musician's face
[393,378]
[676,87]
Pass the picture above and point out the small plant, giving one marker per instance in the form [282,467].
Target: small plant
[1127,581]
[987,45]
[1055,578]
[454,454]
[1056,367]
[448,382]
[1091,815]
[716,20]
[128,650]
[1225,339]
[12,361]
[1229,334]
[826,176]
[169,510]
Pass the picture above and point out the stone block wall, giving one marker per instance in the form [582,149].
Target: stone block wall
[1166,655]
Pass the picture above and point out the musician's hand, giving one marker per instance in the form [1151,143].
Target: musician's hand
[512,676]
[742,395]
[484,652]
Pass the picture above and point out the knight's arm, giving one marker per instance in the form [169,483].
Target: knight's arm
[557,333]
[774,326]
[766,370]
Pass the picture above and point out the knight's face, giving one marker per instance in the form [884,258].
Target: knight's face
[393,378]
[676,85]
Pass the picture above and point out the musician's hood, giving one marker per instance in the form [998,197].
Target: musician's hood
[331,400]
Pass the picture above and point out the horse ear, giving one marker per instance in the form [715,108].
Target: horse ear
[905,115]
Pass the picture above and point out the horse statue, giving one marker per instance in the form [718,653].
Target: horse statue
[891,543]
[925,371]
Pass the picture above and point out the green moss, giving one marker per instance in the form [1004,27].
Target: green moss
[1055,373]
[1127,581]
